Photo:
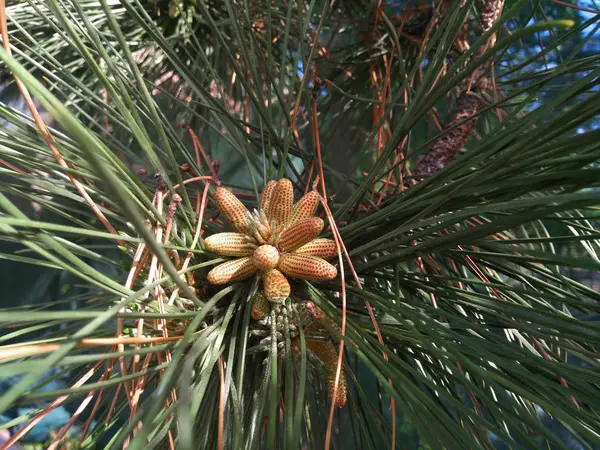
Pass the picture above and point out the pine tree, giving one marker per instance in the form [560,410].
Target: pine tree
[280,224]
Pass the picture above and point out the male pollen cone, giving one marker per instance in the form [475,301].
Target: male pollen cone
[306,267]
[234,270]
[265,257]
[300,233]
[291,248]
[276,286]
[230,244]
[322,322]
[305,207]
[232,208]
[326,352]
[266,195]
[280,205]
[321,247]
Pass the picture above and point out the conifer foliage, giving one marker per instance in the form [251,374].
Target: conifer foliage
[300,224]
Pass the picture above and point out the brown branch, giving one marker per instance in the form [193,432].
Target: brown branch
[21,351]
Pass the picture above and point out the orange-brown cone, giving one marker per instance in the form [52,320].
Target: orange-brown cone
[306,267]
[230,244]
[303,231]
[321,322]
[305,207]
[265,257]
[327,353]
[230,271]
[321,247]
[266,195]
[280,206]
[232,208]
[276,286]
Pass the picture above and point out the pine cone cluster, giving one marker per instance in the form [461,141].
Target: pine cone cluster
[277,241]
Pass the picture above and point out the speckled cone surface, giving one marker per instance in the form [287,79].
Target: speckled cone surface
[327,353]
[276,286]
[265,257]
[306,267]
[230,244]
[302,232]
[234,270]
[322,248]
[280,205]
[232,208]
[323,323]
[305,207]
[265,196]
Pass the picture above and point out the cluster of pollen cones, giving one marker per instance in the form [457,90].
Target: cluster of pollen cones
[277,241]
